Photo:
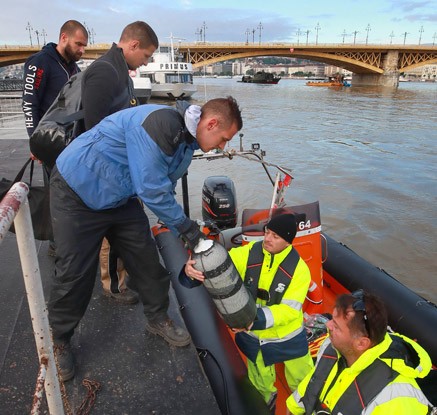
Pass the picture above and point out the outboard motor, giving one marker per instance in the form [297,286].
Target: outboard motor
[223,283]
[219,201]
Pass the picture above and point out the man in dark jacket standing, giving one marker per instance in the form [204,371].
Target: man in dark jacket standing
[45,73]
[108,88]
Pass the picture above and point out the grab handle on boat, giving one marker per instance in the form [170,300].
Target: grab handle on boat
[324,248]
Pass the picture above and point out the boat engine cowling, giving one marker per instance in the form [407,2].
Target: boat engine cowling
[219,201]
[223,283]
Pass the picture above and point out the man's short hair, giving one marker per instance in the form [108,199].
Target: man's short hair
[226,109]
[371,308]
[142,32]
[71,26]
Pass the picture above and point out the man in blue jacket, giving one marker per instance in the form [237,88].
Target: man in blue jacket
[137,153]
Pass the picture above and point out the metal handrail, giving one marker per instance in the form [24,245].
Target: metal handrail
[14,207]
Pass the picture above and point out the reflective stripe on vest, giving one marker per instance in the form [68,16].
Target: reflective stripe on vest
[283,276]
[396,390]
[360,392]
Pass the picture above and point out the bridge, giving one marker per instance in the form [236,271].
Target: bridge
[370,64]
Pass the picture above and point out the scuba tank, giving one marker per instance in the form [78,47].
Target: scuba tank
[223,283]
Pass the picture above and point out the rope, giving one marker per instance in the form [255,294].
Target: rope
[93,387]
[88,402]
[314,345]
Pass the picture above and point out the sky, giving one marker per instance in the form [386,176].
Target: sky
[378,21]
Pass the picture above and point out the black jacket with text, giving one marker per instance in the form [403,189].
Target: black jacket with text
[45,73]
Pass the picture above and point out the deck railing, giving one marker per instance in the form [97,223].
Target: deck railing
[11,113]
[15,208]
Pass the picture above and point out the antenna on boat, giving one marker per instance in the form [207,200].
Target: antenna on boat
[171,37]
[172,54]
[171,47]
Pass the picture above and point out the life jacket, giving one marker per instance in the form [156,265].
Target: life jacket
[282,278]
[369,383]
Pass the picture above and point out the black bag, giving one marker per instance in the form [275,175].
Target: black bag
[39,204]
[60,124]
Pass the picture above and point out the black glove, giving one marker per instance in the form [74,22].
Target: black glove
[190,233]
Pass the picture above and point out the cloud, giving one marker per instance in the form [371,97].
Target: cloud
[225,23]
[113,9]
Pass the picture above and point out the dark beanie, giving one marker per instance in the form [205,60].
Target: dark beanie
[284,225]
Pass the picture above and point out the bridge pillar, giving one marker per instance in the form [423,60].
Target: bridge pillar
[389,78]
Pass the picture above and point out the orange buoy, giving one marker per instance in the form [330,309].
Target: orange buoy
[314,299]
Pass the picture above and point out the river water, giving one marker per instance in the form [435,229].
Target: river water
[367,154]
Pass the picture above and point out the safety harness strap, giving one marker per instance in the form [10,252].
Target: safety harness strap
[357,396]
[364,388]
[282,278]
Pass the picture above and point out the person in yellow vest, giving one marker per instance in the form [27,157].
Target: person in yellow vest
[361,369]
[279,279]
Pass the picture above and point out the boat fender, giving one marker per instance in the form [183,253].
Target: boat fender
[314,298]
[222,281]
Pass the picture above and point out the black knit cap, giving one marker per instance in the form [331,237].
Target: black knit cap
[284,225]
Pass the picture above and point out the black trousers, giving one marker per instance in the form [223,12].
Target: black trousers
[46,171]
[79,232]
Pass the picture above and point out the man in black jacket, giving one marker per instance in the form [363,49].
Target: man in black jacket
[108,88]
[45,73]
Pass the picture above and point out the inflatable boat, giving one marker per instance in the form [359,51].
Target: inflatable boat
[335,269]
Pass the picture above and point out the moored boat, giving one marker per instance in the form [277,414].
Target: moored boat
[324,83]
[335,81]
[170,76]
[334,268]
[261,77]
[142,86]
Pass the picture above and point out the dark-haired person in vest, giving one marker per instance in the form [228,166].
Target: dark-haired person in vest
[361,369]
[279,279]
[45,73]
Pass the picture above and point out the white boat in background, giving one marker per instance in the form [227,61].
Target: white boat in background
[169,75]
[142,86]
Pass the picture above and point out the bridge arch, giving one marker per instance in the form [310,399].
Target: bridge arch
[370,64]
[412,60]
[357,63]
